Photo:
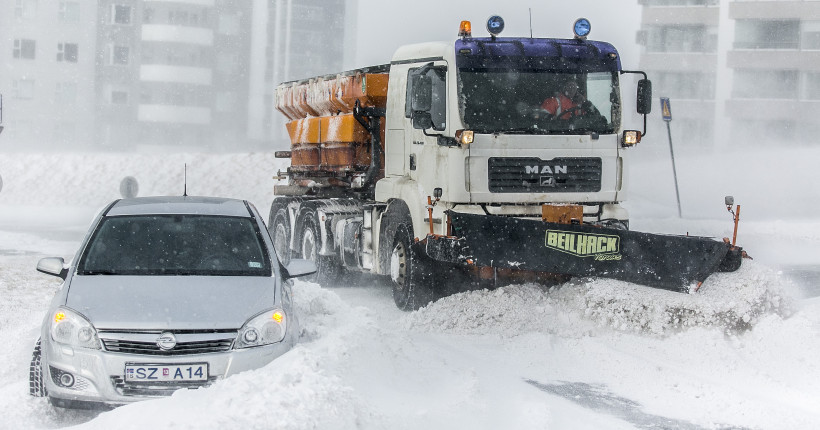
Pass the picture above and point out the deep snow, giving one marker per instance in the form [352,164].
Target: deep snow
[741,353]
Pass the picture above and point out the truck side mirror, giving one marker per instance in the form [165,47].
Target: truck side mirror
[422,120]
[421,99]
[644,101]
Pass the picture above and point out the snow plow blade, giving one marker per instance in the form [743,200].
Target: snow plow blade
[669,262]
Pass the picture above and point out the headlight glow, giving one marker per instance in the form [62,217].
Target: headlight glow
[71,328]
[263,329]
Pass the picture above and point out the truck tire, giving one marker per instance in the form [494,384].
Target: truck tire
[309,242]
[36,385]
[411,274]
[279,228]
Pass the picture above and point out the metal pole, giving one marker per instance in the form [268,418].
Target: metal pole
[674,170]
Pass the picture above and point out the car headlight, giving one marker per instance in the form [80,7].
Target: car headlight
[263,329]
[71,328]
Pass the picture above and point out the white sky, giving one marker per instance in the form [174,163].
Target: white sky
[385,25]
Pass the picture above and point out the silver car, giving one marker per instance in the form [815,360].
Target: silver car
[164,293]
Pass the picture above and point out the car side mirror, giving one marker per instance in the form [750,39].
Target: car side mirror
[644,97]
[298,267]
[54,266]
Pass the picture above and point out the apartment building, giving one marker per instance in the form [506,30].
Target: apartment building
[126,74]
[738,72]
[47,53]
[173,74]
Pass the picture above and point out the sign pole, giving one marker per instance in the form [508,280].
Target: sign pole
[666,110]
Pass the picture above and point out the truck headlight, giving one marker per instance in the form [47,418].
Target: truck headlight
[71,328]
[263,329]
[631,138]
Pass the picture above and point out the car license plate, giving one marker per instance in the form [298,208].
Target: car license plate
[163,372]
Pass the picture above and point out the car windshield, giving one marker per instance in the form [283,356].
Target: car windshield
[176,245]
[525,101]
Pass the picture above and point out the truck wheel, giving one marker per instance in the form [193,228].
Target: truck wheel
[329,268]
[36,385]
[411,273]
[280,233]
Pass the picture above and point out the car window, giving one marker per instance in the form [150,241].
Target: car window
[176,245]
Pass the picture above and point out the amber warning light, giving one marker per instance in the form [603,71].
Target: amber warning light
[465,29]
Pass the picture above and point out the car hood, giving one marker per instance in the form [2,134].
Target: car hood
[170,302]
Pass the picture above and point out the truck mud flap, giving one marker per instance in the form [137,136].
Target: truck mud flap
[670,262]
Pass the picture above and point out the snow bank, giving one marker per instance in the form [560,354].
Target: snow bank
[733,302]
[73,179]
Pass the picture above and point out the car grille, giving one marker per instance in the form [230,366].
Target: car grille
[155,388]
[532,174]
[188,342]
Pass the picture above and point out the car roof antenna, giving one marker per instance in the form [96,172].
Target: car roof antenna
[185,181]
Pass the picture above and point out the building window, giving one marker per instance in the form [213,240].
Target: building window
[685,85]
[120,14]
[24,48]
[226,101]
[118,55]
[767,34]
[69,11]
[178,17]
[680,38]
[66,93]
[765,84]
[810,39]
[678,2]
[67,52]
[23,89]
[119,97]
[812,91]
[308,14]
[148,15]
[228,25]
[25,9]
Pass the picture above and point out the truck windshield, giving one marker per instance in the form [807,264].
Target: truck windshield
[539,102]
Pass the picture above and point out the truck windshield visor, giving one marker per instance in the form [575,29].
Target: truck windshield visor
[539,101]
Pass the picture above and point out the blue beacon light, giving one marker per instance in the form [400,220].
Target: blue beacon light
[495,25]
[581,28]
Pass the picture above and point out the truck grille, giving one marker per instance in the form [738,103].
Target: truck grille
[188,342]
[534,175]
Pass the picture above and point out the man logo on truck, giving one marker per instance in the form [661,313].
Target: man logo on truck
[545,169]
[601,246]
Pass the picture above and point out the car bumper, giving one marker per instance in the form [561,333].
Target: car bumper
[99,376]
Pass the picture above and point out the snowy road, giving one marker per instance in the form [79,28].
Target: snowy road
[593,354]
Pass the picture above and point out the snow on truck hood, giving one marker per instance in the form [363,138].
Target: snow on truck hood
[170,302]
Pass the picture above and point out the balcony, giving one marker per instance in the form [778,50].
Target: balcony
[203,3]
[679,61]
[174,114]
[177,34]
[681,15]
[773,109]
[773,9]
[773,59]
[176,74]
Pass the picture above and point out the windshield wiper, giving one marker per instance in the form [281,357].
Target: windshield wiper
[525,130]
[100,272]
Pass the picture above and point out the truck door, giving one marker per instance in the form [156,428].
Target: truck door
[426,110]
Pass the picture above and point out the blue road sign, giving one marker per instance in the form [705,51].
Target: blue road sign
[666,109]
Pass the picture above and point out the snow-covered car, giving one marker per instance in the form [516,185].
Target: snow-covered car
[164,293]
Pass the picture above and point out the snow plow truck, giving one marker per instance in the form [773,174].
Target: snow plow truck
[445,169]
